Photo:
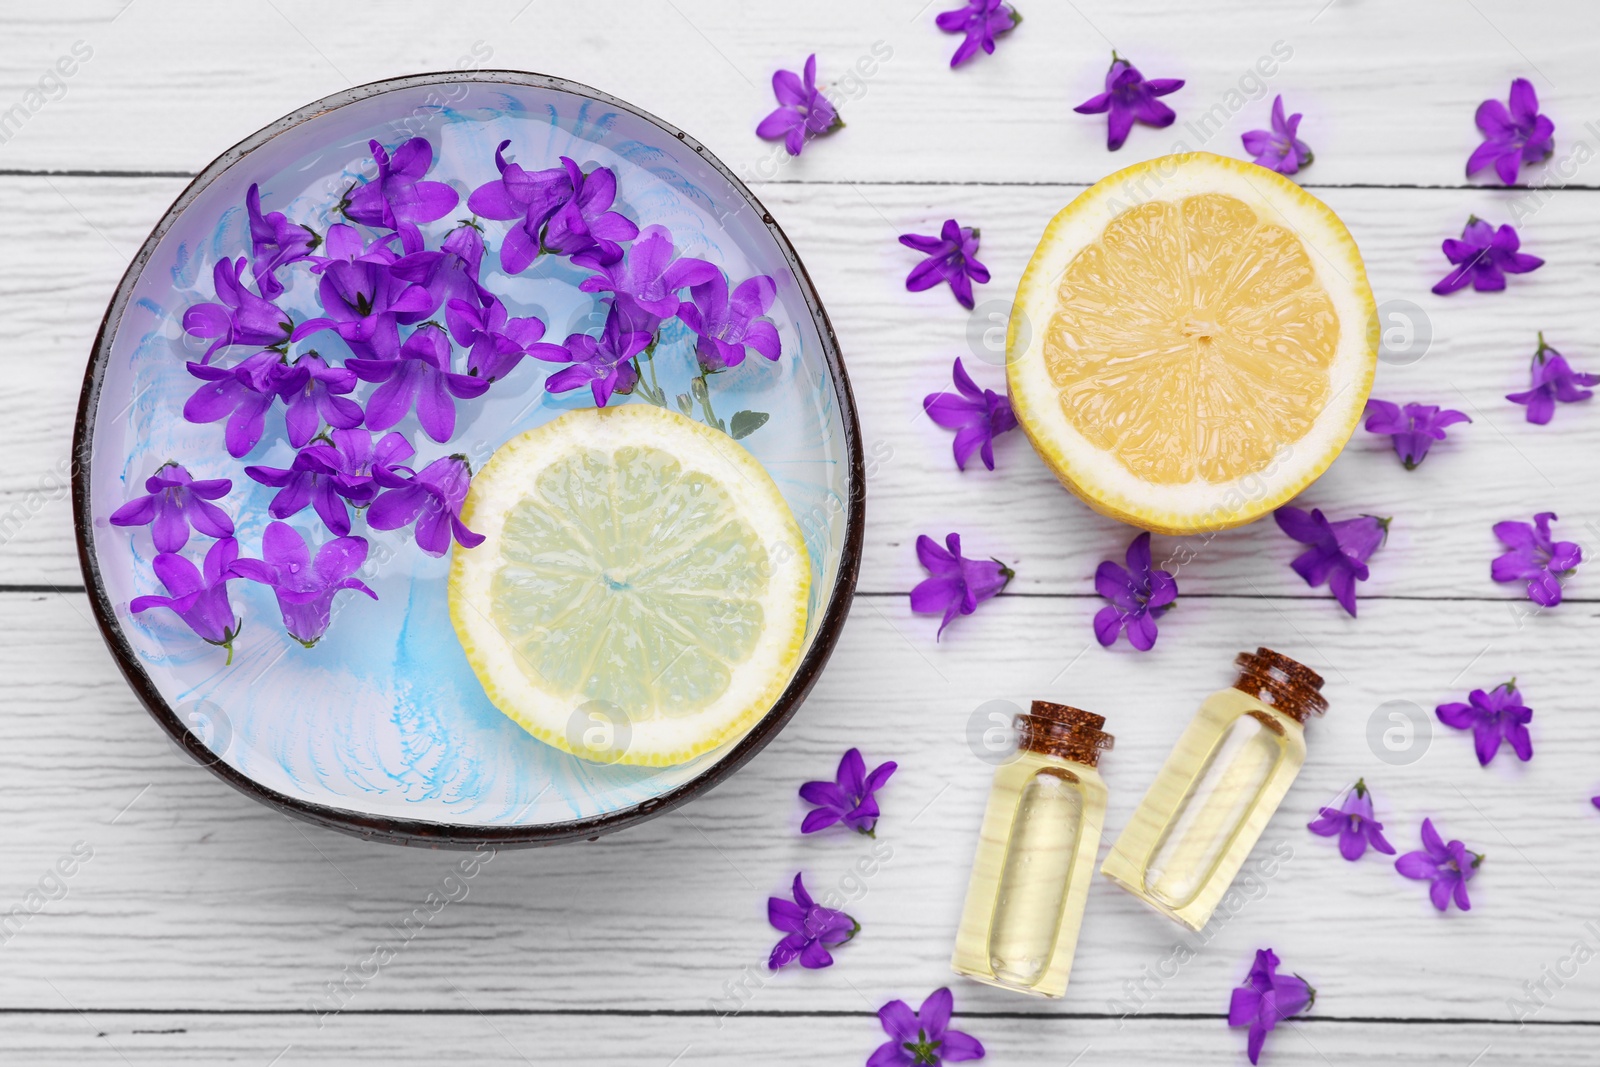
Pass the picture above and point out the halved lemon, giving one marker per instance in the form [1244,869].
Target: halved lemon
[640,595]
[1192,343]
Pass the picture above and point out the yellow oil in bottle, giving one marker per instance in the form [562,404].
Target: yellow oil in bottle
[1213,797]
[1036,852]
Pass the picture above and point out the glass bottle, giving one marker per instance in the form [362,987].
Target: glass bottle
[1222,782]
[1036,852]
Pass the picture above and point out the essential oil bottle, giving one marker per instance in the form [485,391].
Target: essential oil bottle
[1041,832]
[1227,775]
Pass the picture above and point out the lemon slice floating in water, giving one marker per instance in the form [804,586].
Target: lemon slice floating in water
[640,595]
[1192,343]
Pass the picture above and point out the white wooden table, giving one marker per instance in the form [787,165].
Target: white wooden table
[207,929]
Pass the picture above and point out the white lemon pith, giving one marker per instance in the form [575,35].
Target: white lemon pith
[640,595]
[1192,343]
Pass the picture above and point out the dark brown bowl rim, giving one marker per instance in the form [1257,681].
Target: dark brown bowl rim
[441,834]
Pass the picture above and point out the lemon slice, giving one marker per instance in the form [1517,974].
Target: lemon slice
[640,594]
[1192,343]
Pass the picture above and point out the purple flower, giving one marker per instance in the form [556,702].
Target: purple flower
[1354,824]
[1553,380]
[809,930]
[1339,550]
[176,502]
[1414,428]
[242,394]
[1265,998]
[648,274]
[1128,97]
[848,798]
[982,21]
[496,341]
[1446,866]
[351,458]
[450,273]
[802,110]
[952,257]
[1139,595]
[320,397]
[977,415]
[398,198]
[431,498]
[956,585]
[242,317]
[923,1036]
[421,377]
[1278,148]
[1484,256]
[585,224]
[1512,138]
[1536,558]
[727,324]
[199,598]
[274,242]
[605,363]
[312,477]
[363,300]
[305,587]
[1496,716]
[530,197]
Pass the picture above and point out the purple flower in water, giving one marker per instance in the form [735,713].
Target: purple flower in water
[956,585]
[241,317]
[952,258]
[1414,427]
[450,273]
[398,198]
[1446,866]
[728,323]
[496,341]
[982,21]
[1484,256]
[420,378]
[431,498]
[809,930]
[1265,998]
[1279,148]
[274,242]
[1339,550]
[923,1036]
[305,587]
[175,502]
[1128,97]
[648,274]
[312,477]
[242,394]
[848,798]
[530,197]
[351,459]
[320,397]
[1536,558]
[605,363]
[1512,138]
[977,415]
[1496,716]
[802,110]
[1139,595]
[199,597]
[363,300]
[585,224]
[1553,380]
[1354,825]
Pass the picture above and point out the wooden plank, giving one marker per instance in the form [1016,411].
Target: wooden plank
[899,346]
[706,67]
[213,901]
[603,1040]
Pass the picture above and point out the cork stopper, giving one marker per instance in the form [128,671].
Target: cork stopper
[1064,732]
[1289,686]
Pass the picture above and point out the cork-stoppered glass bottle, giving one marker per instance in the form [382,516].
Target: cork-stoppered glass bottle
[1036,853]
[1224,779]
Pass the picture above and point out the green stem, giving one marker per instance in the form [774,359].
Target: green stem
[703,394]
